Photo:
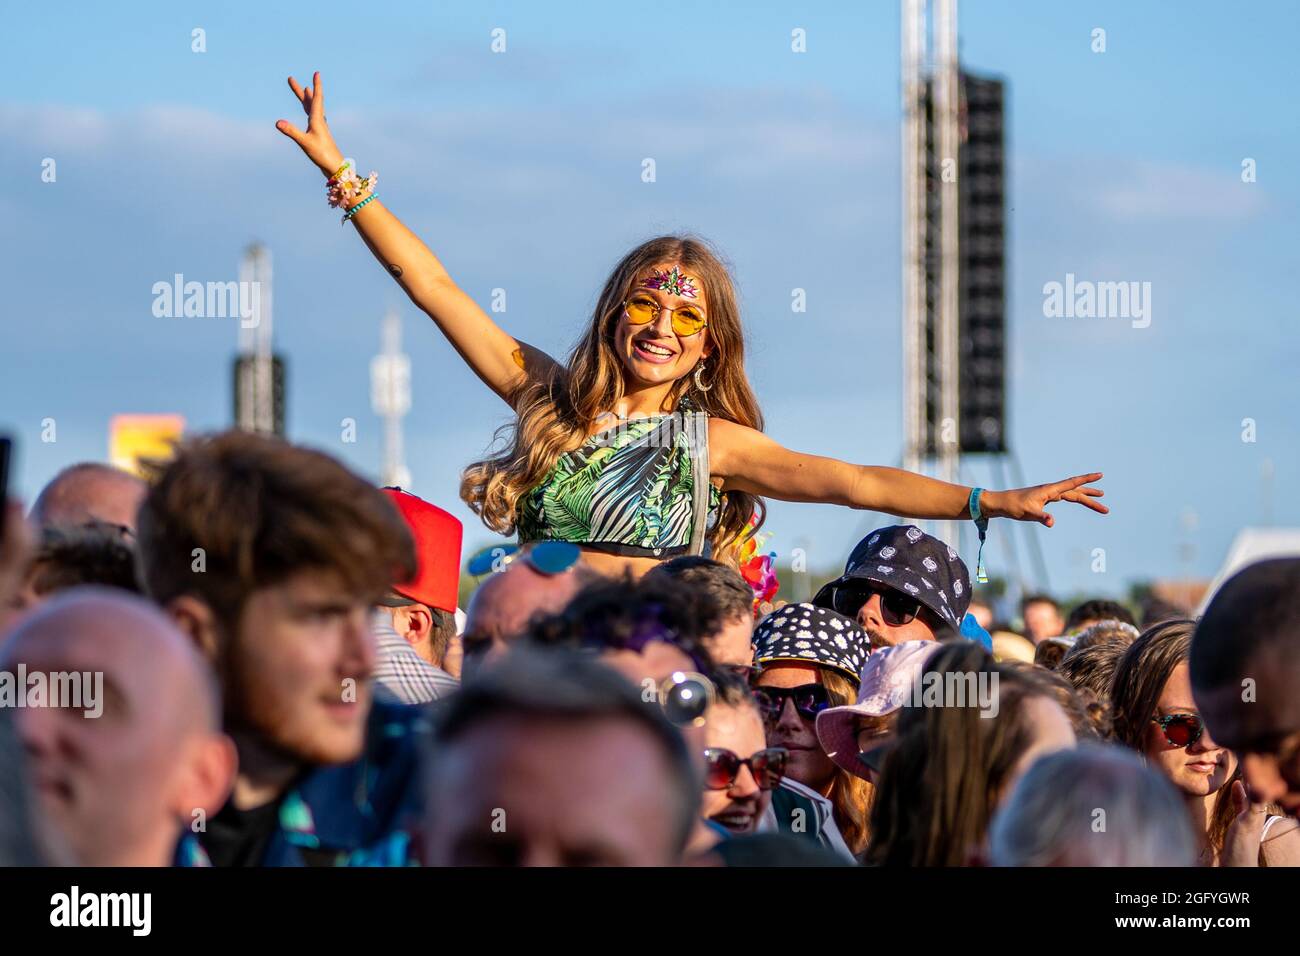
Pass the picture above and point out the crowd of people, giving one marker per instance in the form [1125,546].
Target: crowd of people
[288,680]
[281,672]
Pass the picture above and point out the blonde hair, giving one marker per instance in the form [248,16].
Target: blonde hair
[850,795]
[554,412]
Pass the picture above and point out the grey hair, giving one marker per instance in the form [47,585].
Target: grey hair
[1095,806]
[562,684]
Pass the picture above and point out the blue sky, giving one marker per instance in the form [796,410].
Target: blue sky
[522,171]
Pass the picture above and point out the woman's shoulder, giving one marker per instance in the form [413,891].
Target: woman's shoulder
[1276,827]
[728,439]
[725,430]
[1281,843]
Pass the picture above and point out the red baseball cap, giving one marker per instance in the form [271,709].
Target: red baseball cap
[437,537]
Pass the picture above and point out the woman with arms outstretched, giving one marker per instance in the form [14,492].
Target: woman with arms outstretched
[647,443]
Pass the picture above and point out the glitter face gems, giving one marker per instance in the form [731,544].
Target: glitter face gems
[674,282]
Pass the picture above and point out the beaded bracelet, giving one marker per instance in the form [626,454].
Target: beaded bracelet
[357,208]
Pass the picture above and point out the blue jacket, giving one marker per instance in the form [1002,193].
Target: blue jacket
[356,814]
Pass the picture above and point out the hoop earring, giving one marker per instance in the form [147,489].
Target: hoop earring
[699,382]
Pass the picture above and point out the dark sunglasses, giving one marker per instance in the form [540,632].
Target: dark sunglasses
[1181,730]
[809,700]
[874,759]
[721,767]
[896,607]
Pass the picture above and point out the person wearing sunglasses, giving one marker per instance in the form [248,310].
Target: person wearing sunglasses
[901,584]
[1156,715]
[809,660]
[856,736]
[647,441]
[649,630]
[520,584]
[741,770]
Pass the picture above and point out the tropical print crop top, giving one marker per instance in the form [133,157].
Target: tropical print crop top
[627,490]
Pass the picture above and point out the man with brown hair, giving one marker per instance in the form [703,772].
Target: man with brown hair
[730,602]
[271,557]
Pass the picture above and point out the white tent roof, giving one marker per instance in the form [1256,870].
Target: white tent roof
[1251,545]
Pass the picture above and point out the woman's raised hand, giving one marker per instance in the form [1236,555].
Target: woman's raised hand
[1027,504]
[317,142]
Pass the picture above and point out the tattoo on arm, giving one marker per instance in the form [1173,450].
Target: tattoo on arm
[396,270]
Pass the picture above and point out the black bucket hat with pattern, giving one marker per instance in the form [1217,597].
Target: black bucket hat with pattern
[905,558]
[809,634]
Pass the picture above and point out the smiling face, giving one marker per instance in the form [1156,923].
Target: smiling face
[740,730]
[655,353]
[1199,769]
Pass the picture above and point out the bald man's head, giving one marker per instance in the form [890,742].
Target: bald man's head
[86,492]
[506,602]
[120,779]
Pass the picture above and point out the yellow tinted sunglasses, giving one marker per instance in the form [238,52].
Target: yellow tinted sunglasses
[642,310]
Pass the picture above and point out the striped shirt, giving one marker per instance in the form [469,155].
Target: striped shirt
[405,675]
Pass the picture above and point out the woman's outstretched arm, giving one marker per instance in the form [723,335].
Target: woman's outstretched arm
[748,460]
[495,356]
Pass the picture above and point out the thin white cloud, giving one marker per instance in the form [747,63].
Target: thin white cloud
[1167,192]
[1131,190]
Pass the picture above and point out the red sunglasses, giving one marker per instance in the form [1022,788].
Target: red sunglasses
[1181,730]
[721,767]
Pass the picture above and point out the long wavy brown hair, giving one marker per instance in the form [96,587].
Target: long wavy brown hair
[556,411]
[947,767]
[1136,686]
